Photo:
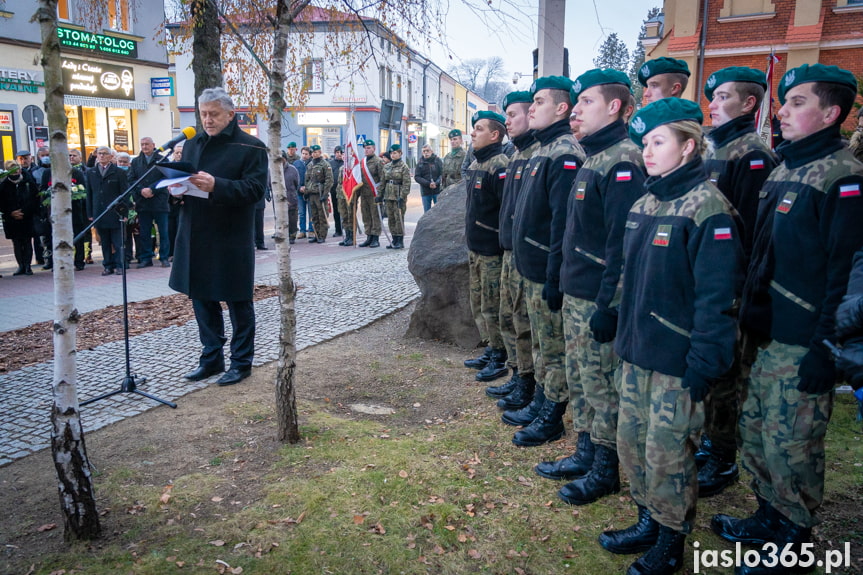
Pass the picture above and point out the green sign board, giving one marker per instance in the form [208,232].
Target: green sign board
[84,40]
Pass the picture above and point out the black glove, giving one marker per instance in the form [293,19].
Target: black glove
[817,371]
[849,316]
[697,384]
[603,324]
[552,296]
[850,363]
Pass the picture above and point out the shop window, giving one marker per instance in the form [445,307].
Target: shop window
[118,15]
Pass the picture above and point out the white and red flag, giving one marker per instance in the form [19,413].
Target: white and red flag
[352,175]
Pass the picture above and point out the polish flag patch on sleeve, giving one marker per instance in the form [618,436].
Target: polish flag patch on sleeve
[624,176]
[569,165]
[501,176]
[756,164]
[849,191]
[722,234]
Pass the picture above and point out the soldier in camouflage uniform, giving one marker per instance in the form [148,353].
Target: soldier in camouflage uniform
[606,186]
[397,186]
[675,330]
[485,181]
[452,162]
[738,162]
[373,177]
[345,210]
[807,231]
[538,227]
[514,321]
[663,78]
[319,181]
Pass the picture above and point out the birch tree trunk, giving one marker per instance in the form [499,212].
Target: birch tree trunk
[75,481]
[286,401]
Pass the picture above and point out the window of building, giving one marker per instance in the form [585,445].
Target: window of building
[63,9]
[382,87]
[735,8]
[389,84]
[409,103]
[399,88]
[118,15]
[87,128]
[313,71]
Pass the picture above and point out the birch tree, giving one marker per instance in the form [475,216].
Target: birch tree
[75,481]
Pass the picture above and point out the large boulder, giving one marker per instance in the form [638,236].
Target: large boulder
[438,261]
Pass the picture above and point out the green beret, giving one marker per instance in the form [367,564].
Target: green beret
[652,68]
[522,96]
[664,111]
[550,83]
[454,133]
[395,148]
[292,144]
[815,73]
[734,74]
[337,149]
[315,148]
[596,77]
[487,115]
[369,143]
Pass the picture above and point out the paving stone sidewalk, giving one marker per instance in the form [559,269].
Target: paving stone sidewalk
[332,300]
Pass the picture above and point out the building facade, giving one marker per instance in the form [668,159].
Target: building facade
[747,32]
[115,79]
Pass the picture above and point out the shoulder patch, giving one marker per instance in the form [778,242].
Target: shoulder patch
[849,191]
[722,234]
[786,203]
[756,164]
[501,175]
[663,236]
[623,176]
[570,165]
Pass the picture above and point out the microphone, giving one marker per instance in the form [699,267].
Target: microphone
[185,134]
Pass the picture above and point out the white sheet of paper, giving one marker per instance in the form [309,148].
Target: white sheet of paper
[182,187]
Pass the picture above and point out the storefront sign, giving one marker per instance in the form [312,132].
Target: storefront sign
[6,124]
[97,42]
[121,140]
[161,87]
[322,118]
[98,80]
[16,80]
[348,99]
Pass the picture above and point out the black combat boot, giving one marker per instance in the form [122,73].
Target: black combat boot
[525,415]
[481,361]
[576,465]
[602,479]
[367,242]
[548,425]
[349,238]
[521,396]
[636,538]
[495,368]
[375,243]
[703,453]
[719,472]
[786,532]
[499,391]
[397,243]
[393,243]
[757,529]
[664,558]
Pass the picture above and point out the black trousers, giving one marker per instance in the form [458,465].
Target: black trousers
[259,227]
[337,217]
[23,249]
[111,238]
[211,329]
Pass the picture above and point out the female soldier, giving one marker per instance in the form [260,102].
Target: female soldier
[676,329]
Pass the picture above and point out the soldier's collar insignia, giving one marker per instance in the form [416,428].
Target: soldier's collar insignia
[663,236]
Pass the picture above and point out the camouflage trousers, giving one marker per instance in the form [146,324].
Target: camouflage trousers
[546,328]
[782,434]
[318,215]
[657,433]
[485,296]
[722,405]
[346,210]
[371,214]
[514,323]
[590,367]
[395,217]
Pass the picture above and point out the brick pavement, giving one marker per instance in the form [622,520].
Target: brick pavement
[338,296]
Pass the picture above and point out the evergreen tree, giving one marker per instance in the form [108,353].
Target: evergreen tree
[612,54]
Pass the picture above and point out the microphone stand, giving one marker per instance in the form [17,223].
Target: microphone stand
[130,381]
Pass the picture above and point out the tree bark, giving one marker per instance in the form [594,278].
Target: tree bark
[286,401]
[75,481]
[206,49]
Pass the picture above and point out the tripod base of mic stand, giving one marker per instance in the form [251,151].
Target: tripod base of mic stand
[129,386]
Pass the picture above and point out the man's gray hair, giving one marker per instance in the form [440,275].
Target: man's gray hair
[217,95]
[123,156]
[106,149]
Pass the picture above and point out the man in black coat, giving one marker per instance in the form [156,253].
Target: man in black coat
[428,175]
[214,257]
[105,182]
[151,204]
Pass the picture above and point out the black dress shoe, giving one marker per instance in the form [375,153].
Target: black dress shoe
[144,264]
[261,247]
[166,264]
[204,371]
[234,375]
[108,272]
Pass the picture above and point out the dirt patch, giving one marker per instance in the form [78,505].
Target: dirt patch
[33,344]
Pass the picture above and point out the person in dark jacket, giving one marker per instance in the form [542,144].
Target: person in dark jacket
[151,205]
[19,202]
[428,175]
[106,182]
[214,259]
[337,162]
[849,326]
[79,209]
[807,231]
[675,331]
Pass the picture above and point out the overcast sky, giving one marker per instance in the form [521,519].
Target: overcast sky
[588,22]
